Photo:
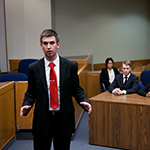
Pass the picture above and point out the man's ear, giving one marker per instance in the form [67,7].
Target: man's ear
[130,69]
[41,46]
[58,45]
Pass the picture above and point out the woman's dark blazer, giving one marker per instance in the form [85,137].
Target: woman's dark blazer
[105,77]
[144,90]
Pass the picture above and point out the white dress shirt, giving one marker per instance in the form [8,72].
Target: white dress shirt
[127,77]
[124,91]
[111,75]
[47,73]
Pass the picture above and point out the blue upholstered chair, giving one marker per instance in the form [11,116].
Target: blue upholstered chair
[145,77]
[23,65]
[13,77]
[140,85]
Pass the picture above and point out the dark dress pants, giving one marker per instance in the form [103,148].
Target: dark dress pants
[60,141]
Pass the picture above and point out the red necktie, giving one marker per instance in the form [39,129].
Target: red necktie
[53,87]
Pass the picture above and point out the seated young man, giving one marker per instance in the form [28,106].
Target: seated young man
[125,83]
[145,91]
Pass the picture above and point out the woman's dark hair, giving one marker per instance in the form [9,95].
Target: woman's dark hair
[107,60]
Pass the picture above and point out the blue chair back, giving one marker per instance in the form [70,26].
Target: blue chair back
[13,77]
[140,85]
[23,65]
[145,77]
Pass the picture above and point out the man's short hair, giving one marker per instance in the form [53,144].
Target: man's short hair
[127,63]
[49,33]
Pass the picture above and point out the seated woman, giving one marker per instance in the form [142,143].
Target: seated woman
[145,91]
[108,74]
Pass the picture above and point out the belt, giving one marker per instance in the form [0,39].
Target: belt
[54,112]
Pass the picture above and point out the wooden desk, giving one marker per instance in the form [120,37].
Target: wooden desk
[120,121]
[7,113]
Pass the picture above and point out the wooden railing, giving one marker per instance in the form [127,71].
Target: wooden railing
[100,66]
[81,60]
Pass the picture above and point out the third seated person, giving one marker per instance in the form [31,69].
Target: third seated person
[145,91]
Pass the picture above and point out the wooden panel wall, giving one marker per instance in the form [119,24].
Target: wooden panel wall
[7,114]
[13,63]
[83,81]
[93,84]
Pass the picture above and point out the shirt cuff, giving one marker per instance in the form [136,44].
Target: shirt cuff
[124,91]
[113,91]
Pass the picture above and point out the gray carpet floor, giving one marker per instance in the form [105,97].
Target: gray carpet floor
[79,141]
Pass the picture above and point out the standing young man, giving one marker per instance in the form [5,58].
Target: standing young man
[52,82]
[125,83]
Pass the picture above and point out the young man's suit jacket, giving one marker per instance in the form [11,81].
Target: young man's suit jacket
[131,85]
[37,92]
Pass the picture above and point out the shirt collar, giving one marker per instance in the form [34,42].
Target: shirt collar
[127,75]
[56,61]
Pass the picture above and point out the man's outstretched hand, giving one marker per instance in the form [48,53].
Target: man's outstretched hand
[24,110]
[87,106]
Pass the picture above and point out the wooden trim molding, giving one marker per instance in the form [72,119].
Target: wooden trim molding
[100,66]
